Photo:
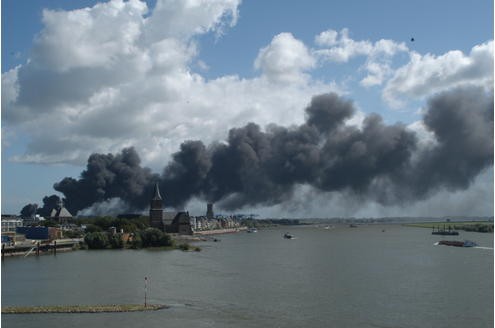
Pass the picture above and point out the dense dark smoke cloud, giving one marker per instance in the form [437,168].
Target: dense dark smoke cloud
[49,204]
[29,210]
[377,161]
[109,176]
[463,125]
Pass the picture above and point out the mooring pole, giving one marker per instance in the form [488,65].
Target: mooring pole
[38,249]
[3,250]
[54,247]
[145,289]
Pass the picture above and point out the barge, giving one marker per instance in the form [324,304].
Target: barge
[457,243]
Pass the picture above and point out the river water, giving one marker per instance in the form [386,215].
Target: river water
[370,276]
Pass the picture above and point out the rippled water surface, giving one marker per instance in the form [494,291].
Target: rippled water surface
[370,276]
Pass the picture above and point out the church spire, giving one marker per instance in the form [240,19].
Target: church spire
[156,193]
[156,209]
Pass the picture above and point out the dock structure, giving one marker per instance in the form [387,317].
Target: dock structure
[39,247]
[444,231]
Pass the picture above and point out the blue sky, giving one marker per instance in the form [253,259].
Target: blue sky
[217,55]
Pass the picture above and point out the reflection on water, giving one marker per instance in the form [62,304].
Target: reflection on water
[366,277]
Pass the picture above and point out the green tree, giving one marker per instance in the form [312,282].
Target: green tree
[126,225]
[96,240]
[73,234]
[92,228]
[116,241]
[153,237]
[49,223]
[105,222]
[136,242]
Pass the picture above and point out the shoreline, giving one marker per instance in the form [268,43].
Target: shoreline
[218,231]
[205,234]
[82,308]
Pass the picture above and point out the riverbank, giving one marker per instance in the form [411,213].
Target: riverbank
[475,226]
[219,231]
[178,242]
[82,308]
[205,235]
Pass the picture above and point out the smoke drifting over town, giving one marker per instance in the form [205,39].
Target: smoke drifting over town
[259,167]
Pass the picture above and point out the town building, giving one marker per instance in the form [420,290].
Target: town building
[32,220]
[156,210]
[60,214]
[11,223]
[209,211]
[40,233]
[170,222]
[181,222]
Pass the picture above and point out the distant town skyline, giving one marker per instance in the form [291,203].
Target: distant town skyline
[89,77]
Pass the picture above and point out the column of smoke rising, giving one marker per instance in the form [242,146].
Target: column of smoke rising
[380,162]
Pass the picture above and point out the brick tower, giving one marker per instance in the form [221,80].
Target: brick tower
[209,211]
[156,209]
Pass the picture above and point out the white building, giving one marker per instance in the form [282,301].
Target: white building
[9,225]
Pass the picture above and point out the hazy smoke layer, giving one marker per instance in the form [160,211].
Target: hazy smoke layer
[254,167]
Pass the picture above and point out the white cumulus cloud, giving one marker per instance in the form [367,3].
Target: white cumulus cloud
[285,59]
[427,74]
[338,47]
[185,18]
[123,78]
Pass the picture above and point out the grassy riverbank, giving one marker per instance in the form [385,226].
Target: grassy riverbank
[81,308]
[477,226]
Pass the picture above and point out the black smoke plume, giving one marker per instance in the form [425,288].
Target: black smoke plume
[377,161]
[29,211]
[106,177]
[49,204]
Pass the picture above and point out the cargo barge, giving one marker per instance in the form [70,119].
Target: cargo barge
[457,243]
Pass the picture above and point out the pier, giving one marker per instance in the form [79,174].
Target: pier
[40,247]
[444,231]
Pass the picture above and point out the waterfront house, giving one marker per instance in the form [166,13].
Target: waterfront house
[9,224]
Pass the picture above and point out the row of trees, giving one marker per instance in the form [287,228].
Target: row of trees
[149,237]
[98,224]
[479,227]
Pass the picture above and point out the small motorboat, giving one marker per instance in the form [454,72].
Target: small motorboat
[251,230]
[288,236]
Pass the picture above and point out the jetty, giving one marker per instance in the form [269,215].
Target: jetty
[444,231]
[36,247]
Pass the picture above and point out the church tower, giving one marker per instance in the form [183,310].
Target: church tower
[156,209]
[209,211]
